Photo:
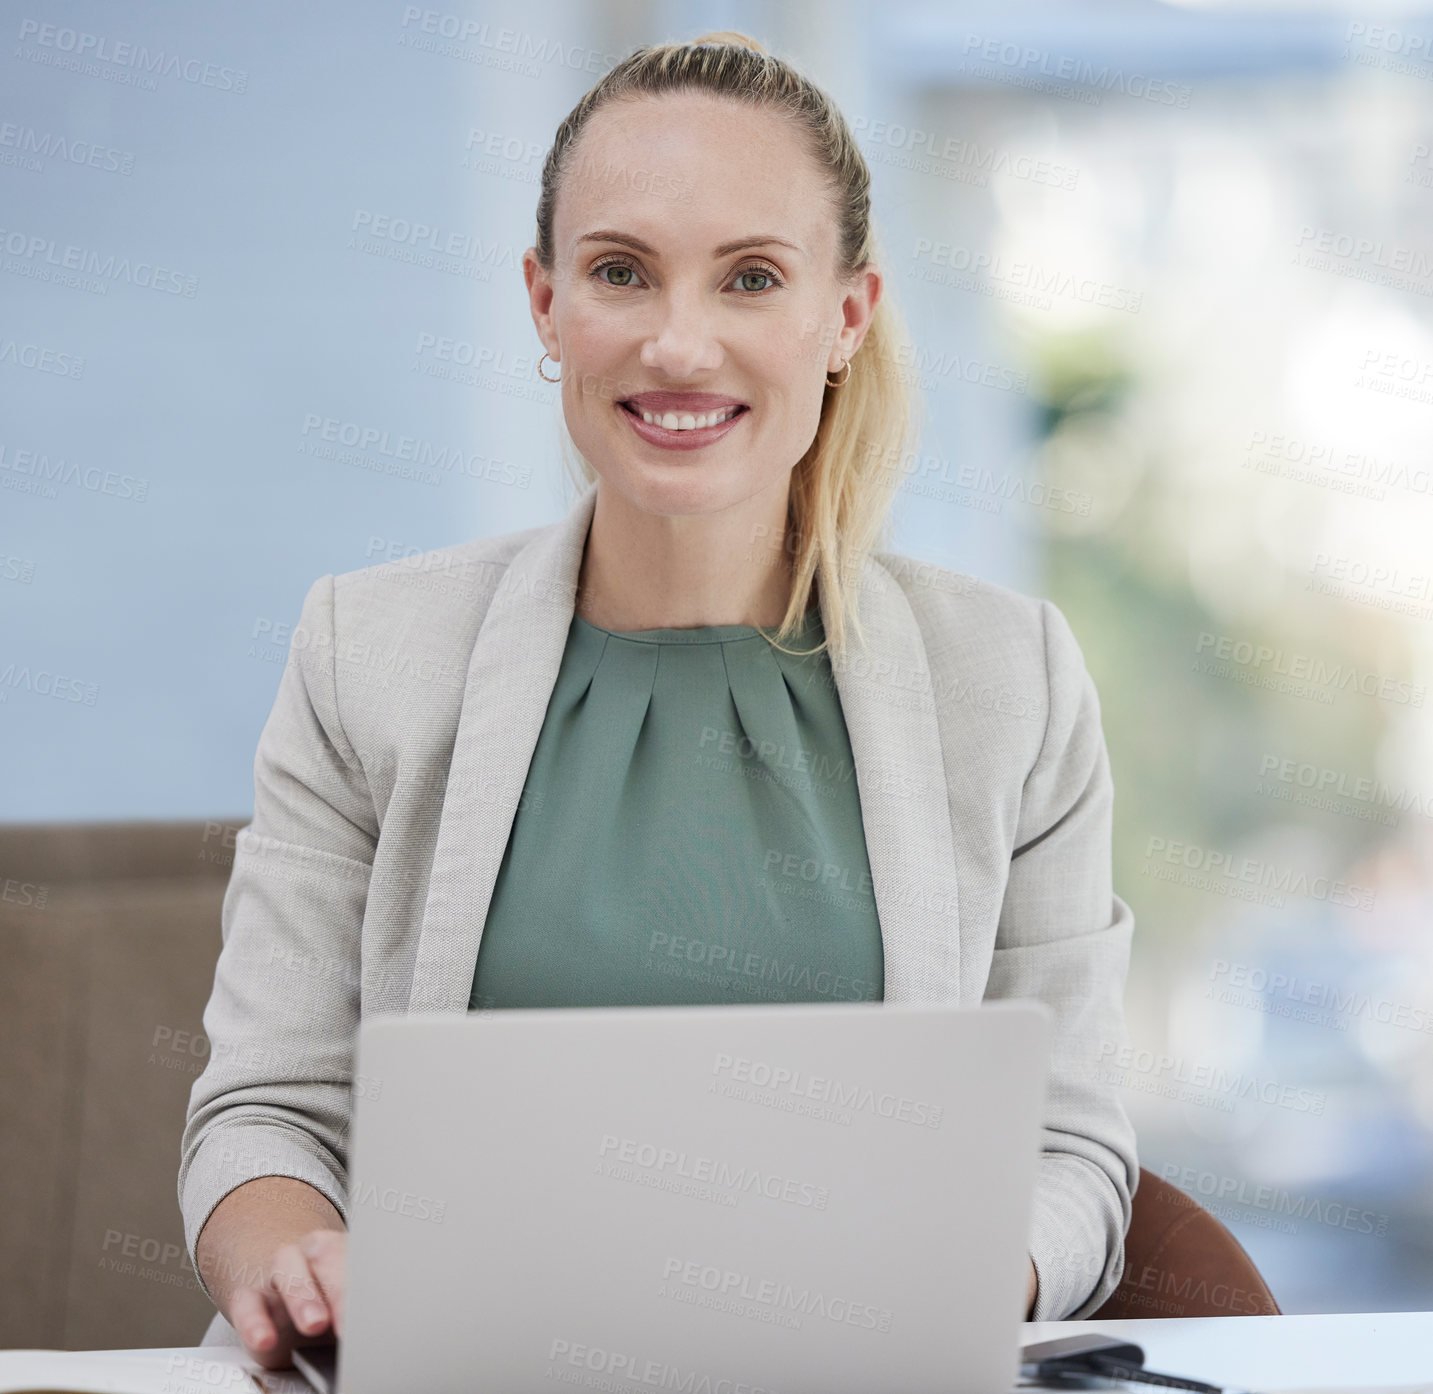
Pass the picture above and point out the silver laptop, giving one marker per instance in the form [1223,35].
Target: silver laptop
[754,1199]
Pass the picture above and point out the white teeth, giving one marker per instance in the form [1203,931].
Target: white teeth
[686,421]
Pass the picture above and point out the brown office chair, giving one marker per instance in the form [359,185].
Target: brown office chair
[1180,1261]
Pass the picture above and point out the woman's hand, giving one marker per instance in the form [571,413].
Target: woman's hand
[297,1300]
[272,1257]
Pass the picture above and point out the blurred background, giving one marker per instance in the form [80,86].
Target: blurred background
[1168,271]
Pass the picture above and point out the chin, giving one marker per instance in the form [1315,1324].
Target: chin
[677,491]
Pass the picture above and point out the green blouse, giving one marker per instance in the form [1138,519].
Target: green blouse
[689,832]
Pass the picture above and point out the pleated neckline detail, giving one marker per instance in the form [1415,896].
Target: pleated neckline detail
[702,634]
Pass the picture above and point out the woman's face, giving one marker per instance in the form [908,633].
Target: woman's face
[651,309]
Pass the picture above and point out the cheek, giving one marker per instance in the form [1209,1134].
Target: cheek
[600,358]
[584,330]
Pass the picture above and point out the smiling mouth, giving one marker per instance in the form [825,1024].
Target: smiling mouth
[685,420]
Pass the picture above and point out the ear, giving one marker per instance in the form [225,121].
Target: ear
[539,295]
[857,308]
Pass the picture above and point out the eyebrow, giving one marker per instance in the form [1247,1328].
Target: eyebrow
[725,249]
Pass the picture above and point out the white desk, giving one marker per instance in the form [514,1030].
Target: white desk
[1358,1351]
[1351,1352]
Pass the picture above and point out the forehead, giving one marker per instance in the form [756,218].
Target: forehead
[688,168]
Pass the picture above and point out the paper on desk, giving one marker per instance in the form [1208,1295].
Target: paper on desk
[119,1372]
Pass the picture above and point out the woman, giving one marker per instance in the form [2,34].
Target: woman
[573,767]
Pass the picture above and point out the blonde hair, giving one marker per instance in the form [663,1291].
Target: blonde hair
[842,487]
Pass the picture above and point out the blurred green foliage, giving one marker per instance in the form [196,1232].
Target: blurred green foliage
[1185,746]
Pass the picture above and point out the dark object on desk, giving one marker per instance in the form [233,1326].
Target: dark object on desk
[319,1366]
[1072,1360]
[1180,1261]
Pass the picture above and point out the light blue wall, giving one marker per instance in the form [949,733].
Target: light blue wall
[154,603]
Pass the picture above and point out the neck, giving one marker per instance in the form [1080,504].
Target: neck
[644,570]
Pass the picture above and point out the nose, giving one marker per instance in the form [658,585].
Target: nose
[683,344]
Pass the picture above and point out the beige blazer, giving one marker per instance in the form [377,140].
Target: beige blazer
[390,769]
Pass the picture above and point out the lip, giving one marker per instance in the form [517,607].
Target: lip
[694,402]
[681,440]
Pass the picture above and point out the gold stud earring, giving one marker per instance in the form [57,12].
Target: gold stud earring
[543,375]
[840,382]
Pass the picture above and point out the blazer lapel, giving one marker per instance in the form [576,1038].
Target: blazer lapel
[510,679]
[885,693]
[887,699]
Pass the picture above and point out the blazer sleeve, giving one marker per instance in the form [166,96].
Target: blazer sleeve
[274,1098]
[1064,938]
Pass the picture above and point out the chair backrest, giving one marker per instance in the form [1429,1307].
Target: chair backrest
[1180,1261]
[109,933]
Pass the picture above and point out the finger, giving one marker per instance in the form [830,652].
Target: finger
[327,1253]
[279,1355]
[249,1316]
[291,1279]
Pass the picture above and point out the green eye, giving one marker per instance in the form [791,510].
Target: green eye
[622,265]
